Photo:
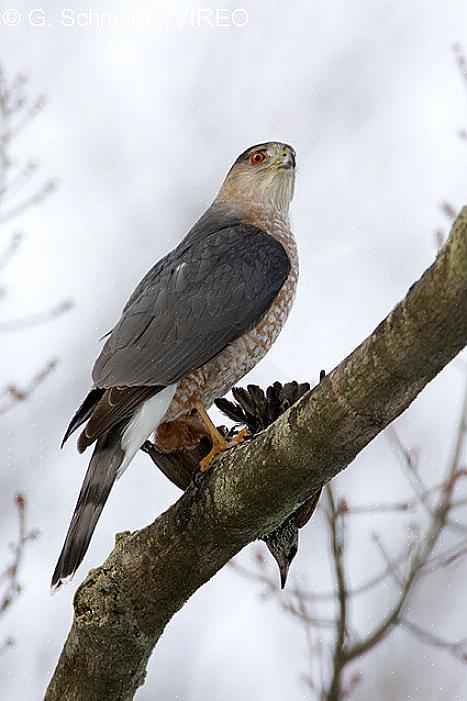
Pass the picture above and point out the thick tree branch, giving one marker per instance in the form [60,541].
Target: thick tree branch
[123,606]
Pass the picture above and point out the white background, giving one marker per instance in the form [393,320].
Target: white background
[141,126]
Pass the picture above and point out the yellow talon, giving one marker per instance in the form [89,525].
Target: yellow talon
[219,446]
[215,450]
[240,437]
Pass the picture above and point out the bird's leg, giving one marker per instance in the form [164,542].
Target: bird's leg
[219,443]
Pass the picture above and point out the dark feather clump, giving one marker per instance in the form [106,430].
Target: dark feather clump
[256,410]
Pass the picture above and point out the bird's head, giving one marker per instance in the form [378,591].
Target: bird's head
[283,546]
[264,174]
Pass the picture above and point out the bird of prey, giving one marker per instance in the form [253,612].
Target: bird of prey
[198,321]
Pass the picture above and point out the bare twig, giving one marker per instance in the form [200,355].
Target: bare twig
[35,319]
[413,475]
[461,60]
[405,505]
[33,200]
[423,549]
[13,394]
[10,250]
[9,578]
[336,522]
[16,110]
[457,648]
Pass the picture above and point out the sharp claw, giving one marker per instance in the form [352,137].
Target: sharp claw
[221,447]
[240,437]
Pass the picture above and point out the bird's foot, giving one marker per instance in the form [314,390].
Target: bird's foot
[240,437]
[218,447]
[221,446]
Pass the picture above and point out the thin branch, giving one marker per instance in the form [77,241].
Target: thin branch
[12,394]
[320,596]
[415,479]
[335,517]
[293,603]
[19,179]
[405,504]
[393,565]
[31,201]
[461,60]
[457,648]
[423,550]
[10,250]
[9,578]
[304,614]
[35,319]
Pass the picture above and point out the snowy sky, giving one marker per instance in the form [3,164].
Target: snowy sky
[142,123]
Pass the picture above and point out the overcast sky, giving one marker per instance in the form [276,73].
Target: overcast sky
[141,125]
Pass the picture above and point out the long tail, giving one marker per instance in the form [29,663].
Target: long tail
[106,461]
[113,453]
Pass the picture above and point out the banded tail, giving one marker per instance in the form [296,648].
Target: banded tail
[113,452]
[102,472]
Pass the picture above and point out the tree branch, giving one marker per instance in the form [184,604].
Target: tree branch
[9,578]
[337,528]
[123,606]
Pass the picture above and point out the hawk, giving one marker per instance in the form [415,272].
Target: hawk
[198,321]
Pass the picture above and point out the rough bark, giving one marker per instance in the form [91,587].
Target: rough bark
[123,606]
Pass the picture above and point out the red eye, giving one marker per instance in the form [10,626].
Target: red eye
[257,157]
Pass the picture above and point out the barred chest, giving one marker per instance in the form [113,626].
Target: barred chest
[219,375]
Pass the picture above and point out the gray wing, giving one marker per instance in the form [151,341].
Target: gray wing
[191,305]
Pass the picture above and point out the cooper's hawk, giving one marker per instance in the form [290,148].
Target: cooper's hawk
[198,321]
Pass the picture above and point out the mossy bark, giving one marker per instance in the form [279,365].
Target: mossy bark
[122,607]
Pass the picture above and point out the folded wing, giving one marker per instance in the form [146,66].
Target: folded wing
[193,307]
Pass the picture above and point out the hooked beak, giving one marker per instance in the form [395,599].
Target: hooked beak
[284,571]
[286,160]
